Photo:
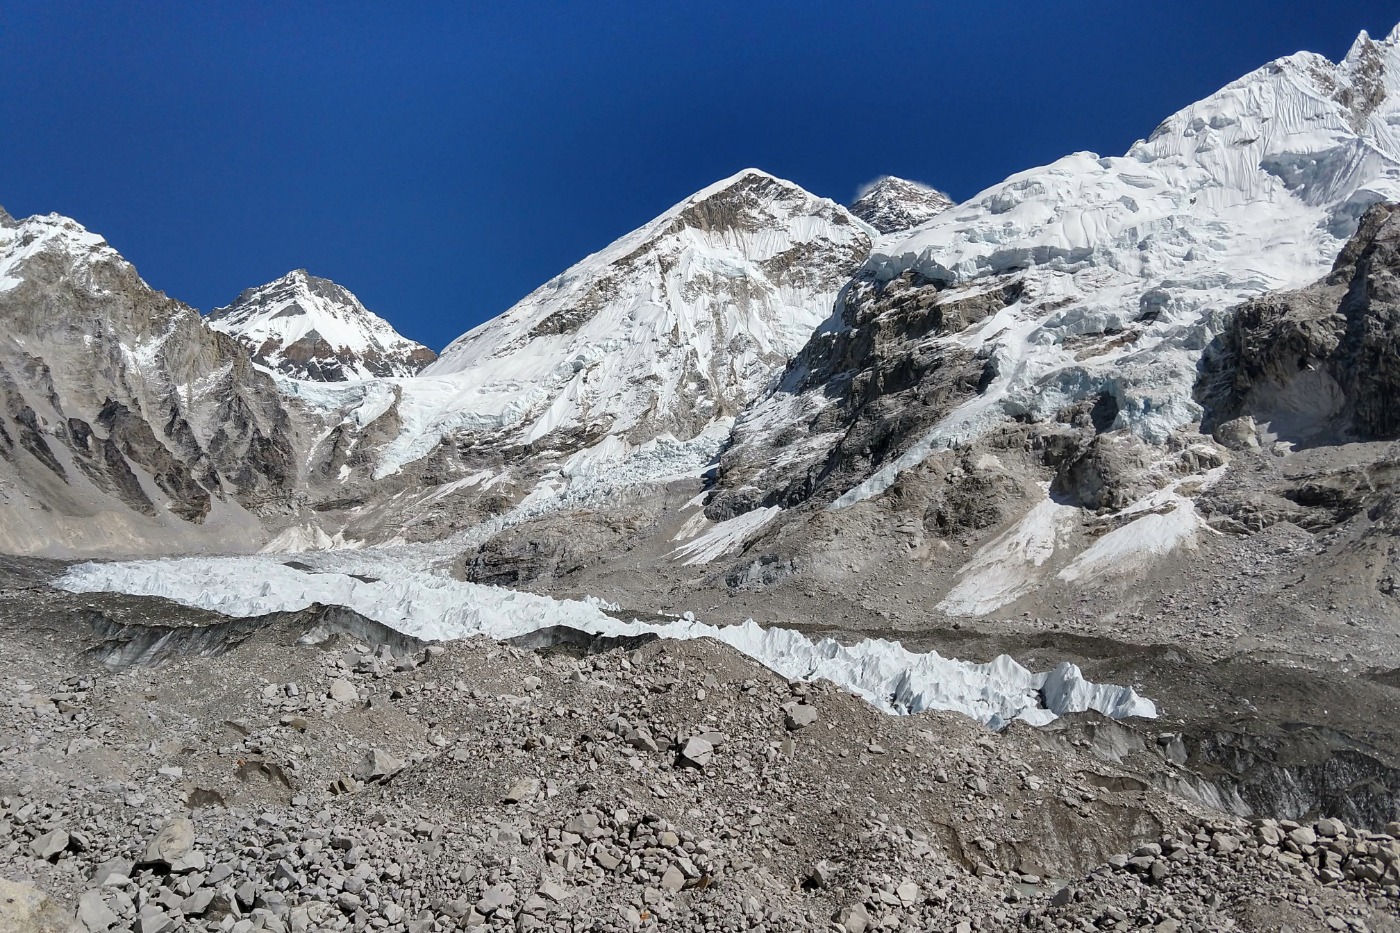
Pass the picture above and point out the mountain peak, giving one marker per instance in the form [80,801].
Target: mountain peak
[312,328]
[668,330]
[891,204]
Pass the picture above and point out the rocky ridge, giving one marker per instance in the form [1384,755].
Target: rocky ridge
[126,425]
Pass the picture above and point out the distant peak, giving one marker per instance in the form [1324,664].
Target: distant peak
[311,328]
[891,204]
[894,183]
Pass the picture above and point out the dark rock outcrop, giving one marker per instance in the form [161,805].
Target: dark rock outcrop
[1320,364]
[893,204]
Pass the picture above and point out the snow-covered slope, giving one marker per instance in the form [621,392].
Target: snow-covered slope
[311,328]
[668,330]
[1105,278]
[892,205]
[1254,188]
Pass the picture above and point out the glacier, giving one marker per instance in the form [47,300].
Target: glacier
[434,606]
[1254,188]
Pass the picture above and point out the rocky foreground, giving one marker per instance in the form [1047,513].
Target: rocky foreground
[310,771]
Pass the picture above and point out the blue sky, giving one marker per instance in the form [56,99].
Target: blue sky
[443,160]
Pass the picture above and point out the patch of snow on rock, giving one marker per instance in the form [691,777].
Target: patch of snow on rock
[724,537]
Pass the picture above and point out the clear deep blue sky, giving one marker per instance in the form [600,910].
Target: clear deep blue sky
[443,160]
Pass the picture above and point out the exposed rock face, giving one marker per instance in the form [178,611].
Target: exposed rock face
[893,204]
[858,394]
[311,328]
[126,425]
[1320,364]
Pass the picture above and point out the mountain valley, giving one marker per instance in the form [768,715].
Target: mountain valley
[1025,562]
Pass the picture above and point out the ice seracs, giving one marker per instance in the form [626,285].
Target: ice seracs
[1254,188]
[311,328]
[435,606]
[892,205]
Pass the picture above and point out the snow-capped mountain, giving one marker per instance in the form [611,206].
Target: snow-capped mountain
[1092,278]
[1063,313]
[667,331]
[891,204]
[311,328]
[126,425]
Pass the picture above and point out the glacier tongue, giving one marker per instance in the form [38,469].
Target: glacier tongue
[434,606]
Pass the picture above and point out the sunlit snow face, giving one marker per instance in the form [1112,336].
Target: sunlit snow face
[1252,189]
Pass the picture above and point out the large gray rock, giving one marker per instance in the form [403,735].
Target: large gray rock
[94,914]
[173,846]
[377,765]
[800,715]
[698,751]
[342,691]
[26,909]
[50,845]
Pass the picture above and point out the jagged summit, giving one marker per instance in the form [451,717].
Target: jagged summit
[312,328]
[891,204]
[22,241]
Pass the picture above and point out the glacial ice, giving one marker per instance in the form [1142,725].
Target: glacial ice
[434,606]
